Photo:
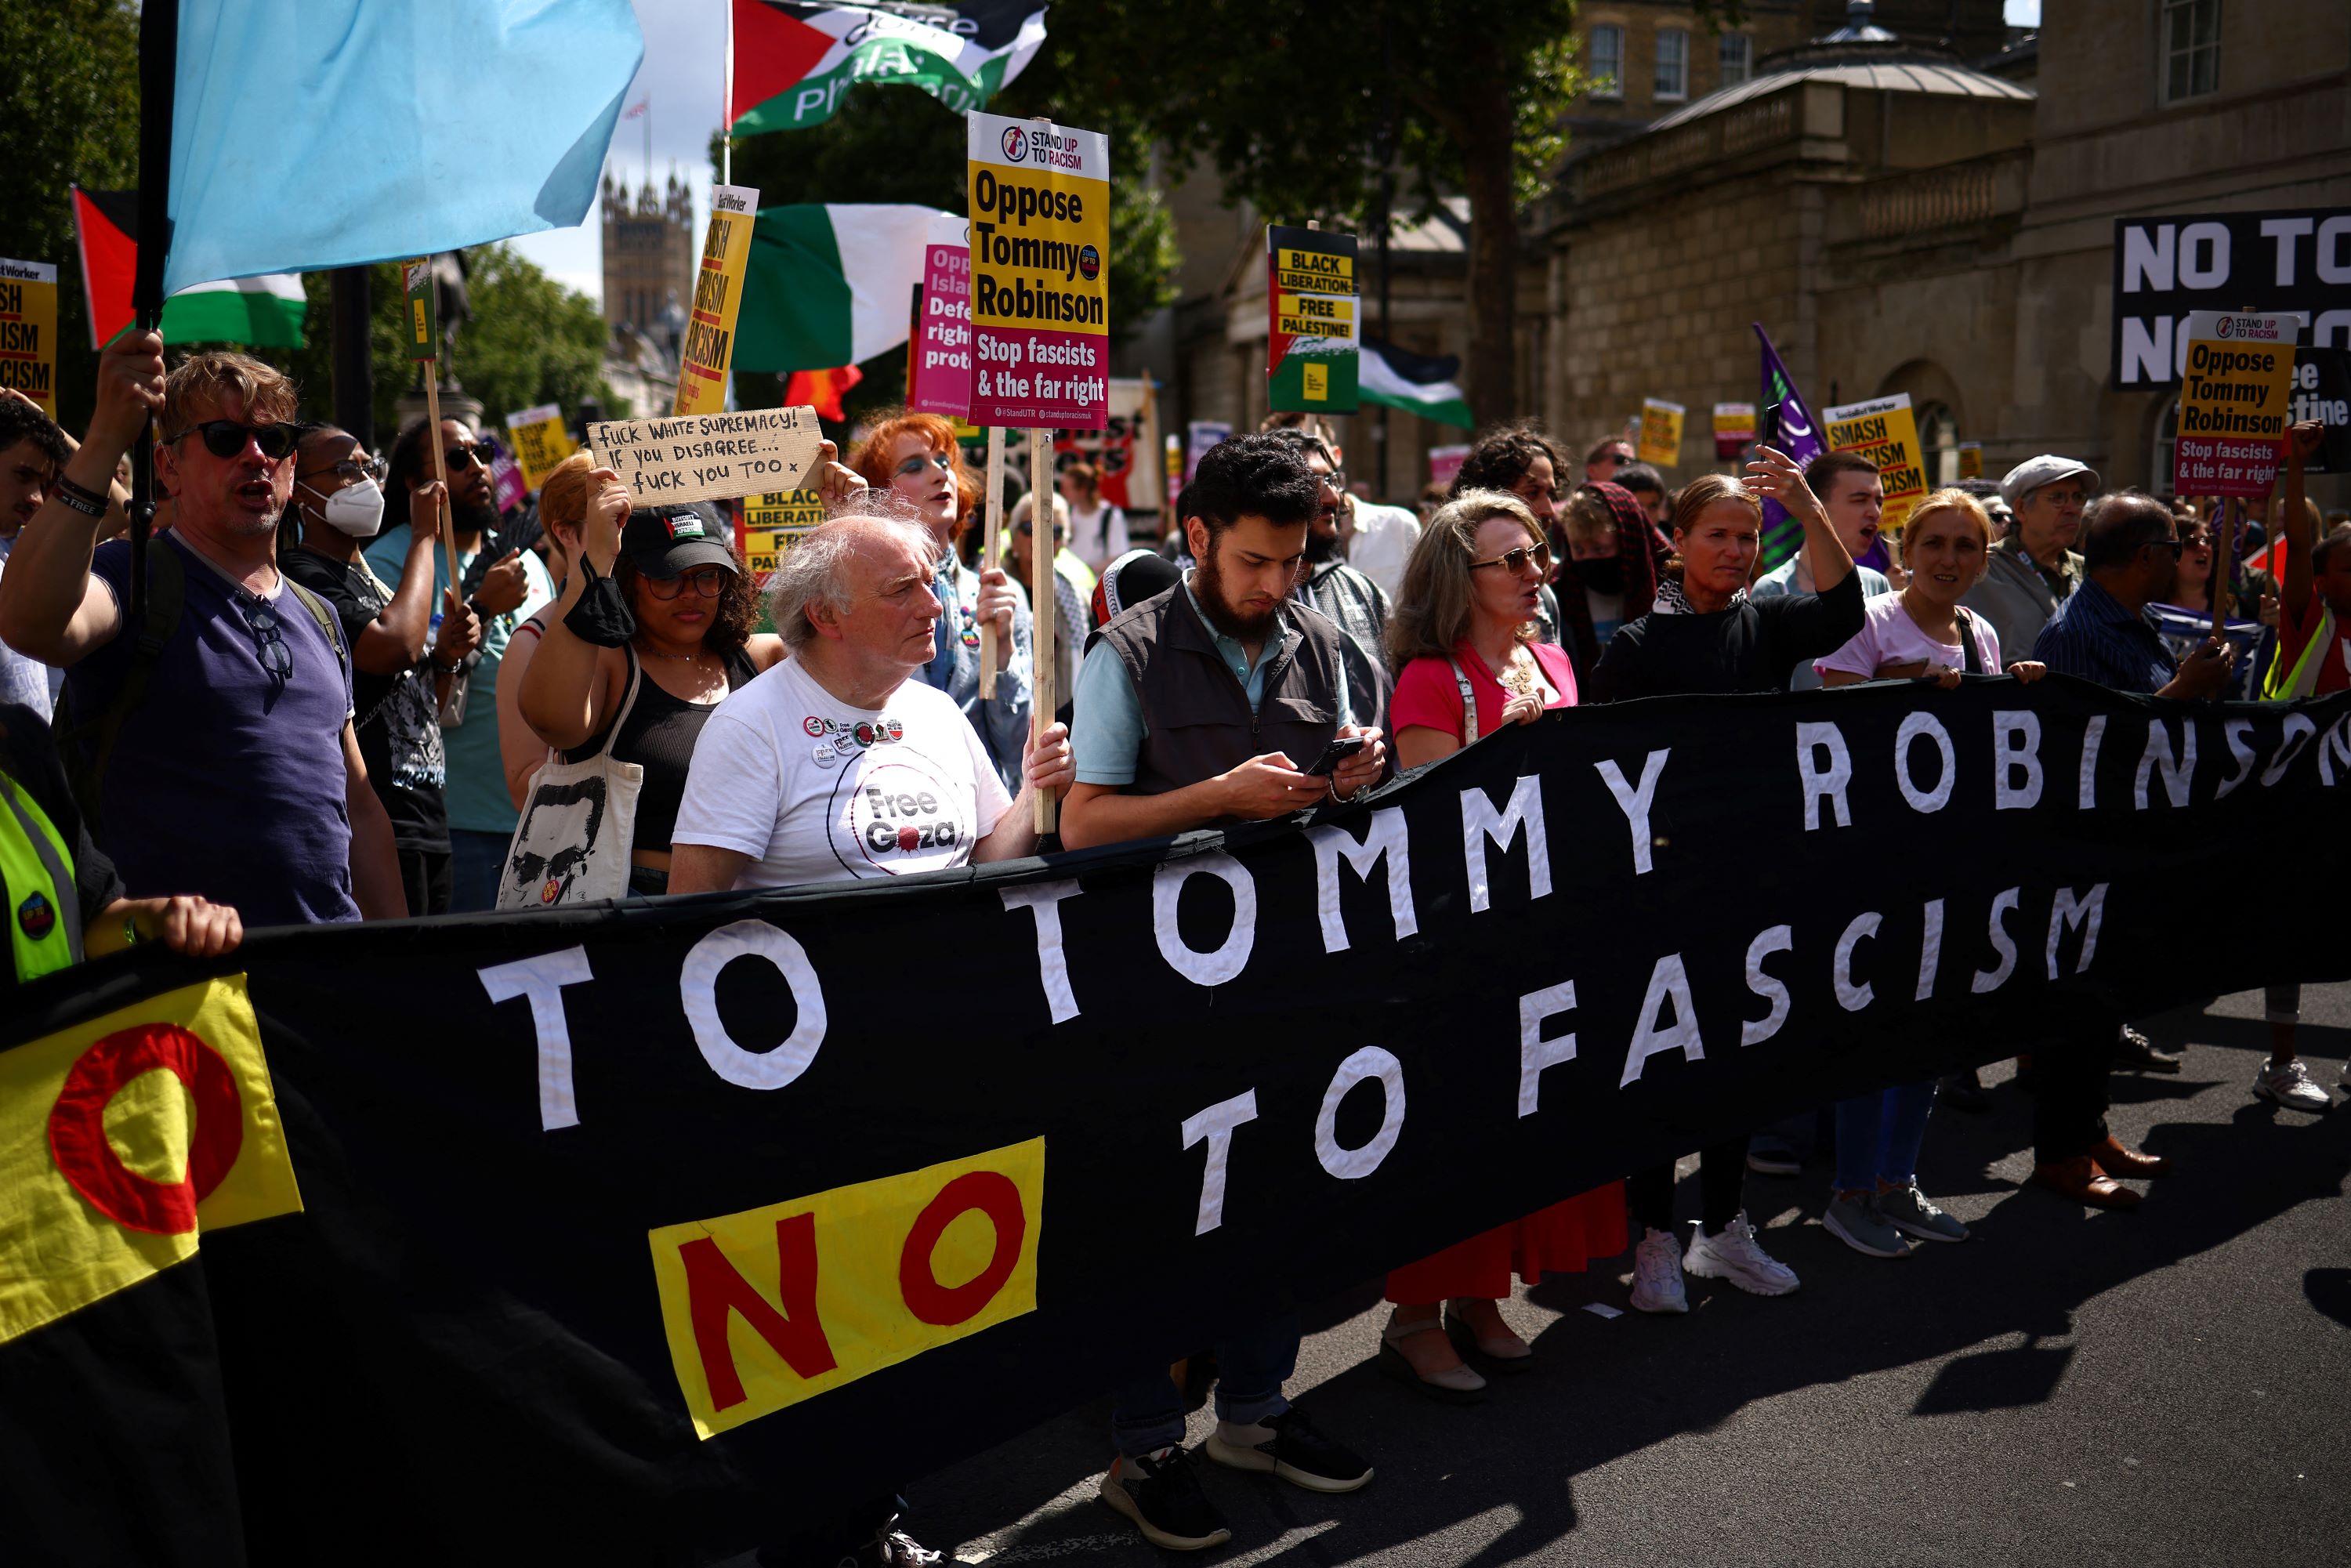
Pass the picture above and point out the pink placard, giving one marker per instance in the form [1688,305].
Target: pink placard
[1024,378]
[939,364]
[506,485]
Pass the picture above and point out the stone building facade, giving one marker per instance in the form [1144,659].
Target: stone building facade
[1902,221]
[649,249]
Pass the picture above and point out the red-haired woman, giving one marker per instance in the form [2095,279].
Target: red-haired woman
[915,457]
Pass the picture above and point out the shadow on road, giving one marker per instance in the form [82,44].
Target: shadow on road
[1606,1390]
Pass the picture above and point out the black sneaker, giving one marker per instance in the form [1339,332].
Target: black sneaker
[1161,1492]
[2135,1053]
[1288,1446]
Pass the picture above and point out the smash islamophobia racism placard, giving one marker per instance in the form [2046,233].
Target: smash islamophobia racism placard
[635,1231]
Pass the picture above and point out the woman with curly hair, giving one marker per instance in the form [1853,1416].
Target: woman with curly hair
[915,458]
[653,652]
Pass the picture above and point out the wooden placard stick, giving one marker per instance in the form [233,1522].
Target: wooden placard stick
[994,554]
[441,473]
[1042,698]
[2224,562]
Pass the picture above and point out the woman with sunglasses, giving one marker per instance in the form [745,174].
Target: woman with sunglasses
[399,679]
[1462,640]
[673,626]
[1073,585]
[915,457]
[1705,633]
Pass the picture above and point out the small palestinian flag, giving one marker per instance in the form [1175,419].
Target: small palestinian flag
[266,311]
[1415,383]
[794,60]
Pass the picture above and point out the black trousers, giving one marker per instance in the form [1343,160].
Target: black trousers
[1721,1185]
[424,877]
[2069,1093]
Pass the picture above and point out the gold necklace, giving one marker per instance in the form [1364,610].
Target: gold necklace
[1517,675]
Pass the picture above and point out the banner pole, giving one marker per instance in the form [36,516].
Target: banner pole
[992,553]
[1042,698]
[727,106]
[441,473]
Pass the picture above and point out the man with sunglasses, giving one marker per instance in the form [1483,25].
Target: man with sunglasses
[1606,457]
[503,585]
[214,734]
[402,665]
[2130,556]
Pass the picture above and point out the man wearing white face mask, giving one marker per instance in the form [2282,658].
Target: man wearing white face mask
[398,680]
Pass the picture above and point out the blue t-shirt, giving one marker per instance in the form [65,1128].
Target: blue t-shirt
[228,780]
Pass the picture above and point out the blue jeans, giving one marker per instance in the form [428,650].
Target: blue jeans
[1877,1137]
[1146,1414]
[475,861]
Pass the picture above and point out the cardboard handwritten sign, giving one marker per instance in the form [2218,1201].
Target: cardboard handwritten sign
[708,457]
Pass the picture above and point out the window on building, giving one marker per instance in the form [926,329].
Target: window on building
[2191,48]
[1939,440]
[1673,64]
[2167,435]
[1605,61]
[1736,51]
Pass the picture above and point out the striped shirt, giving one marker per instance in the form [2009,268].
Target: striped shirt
[2095,636]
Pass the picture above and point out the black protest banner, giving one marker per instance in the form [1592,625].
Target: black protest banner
[2165,267]
[644,1232]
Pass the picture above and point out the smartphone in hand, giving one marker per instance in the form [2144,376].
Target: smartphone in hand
[1338,751]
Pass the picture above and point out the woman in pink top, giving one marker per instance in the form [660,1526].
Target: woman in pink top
[1462,640]
[1924,631]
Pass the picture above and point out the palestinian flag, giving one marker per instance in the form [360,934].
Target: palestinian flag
[828,286]
[266,311]
[793,59]
[1413,383]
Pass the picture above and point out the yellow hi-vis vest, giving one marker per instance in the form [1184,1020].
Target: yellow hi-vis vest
[2284,682]
[44,912]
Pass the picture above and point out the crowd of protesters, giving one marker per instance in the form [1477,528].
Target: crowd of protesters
[349,734]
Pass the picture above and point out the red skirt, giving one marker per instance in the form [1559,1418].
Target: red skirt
[1560,1239]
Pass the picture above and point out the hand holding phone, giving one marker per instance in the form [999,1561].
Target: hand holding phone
[1338,751]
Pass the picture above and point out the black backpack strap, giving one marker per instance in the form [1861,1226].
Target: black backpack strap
[90,743]
[1968,649]
[329,624]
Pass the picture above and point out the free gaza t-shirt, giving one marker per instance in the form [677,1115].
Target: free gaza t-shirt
[815,789]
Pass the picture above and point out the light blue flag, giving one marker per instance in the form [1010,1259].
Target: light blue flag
[317,133]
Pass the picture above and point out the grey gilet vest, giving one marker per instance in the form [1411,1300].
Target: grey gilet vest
[1196,712]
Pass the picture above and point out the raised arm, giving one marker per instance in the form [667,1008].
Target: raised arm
[566,688]
[2293,521]
[1774,473]
[51,609]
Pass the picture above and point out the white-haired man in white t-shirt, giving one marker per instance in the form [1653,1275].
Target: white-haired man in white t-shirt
[836,764]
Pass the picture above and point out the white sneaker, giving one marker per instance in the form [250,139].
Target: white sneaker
[1658,1274]
[1735,1256]
[2289,1084]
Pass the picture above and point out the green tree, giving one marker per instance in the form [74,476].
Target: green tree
[1291,100]
[72,118]
[898,144]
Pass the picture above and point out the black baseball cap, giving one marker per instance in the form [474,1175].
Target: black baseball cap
[669,541]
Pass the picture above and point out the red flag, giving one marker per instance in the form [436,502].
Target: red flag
[107,224]
[821,390]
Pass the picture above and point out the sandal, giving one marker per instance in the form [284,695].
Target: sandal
[1510,1356]
[1454,1385]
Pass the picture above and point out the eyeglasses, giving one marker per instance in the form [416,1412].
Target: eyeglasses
[226,437]
[1618,458]
[1059,533]
[1514,562]
[942,461]
[353,468]
[270,647]
[709,581]
[464,457]
[2175,546]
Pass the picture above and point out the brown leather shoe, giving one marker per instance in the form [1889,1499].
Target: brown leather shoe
[2116,1160]
[2080,1179]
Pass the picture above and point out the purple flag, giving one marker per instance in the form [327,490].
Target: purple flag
[1793,431]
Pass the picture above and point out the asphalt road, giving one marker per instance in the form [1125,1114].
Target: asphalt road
[2068,1386]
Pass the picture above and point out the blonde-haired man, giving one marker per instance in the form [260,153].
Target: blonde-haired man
[213,734]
